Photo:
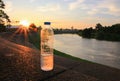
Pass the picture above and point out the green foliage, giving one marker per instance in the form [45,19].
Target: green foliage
[99,35]
[3,15]
[2,5]
[2,27]
[79,32]
[98,26]
[34,38]
[88,32]
[110,33]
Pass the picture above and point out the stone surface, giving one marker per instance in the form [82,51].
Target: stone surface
[71,75]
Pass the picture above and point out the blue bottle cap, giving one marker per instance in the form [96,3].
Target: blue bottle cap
[47,23]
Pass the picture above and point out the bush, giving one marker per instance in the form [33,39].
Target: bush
[2,28]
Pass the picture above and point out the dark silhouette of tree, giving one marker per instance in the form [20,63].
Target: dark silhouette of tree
[88,32]
[39,28]
[98,26]
[2,5]
[116,28]
[111,33]
[72,28]
[3,16]
[32,27]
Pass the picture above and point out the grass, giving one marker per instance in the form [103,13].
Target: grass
[34,38]
[56,52]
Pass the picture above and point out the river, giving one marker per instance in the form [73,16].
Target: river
[102,52]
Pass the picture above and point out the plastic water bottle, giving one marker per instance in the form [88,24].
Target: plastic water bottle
[47,37]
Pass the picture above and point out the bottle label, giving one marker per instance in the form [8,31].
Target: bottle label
[46,48]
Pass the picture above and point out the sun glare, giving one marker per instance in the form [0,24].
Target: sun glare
[24,23]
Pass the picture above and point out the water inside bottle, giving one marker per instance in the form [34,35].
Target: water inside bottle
[46,62]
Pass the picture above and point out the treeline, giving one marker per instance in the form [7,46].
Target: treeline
[63,31]
[111,33]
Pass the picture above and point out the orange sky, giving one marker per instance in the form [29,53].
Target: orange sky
[65,13]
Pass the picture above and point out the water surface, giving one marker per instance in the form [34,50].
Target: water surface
[103,52]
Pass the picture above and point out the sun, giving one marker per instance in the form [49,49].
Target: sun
[25,23]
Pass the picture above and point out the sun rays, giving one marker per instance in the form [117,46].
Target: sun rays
[21,32]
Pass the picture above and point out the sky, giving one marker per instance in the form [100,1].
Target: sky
[65,13]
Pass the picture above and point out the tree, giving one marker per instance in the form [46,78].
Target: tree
[3,15]
[2,5]
[32,27]
[98,26]
[88,32]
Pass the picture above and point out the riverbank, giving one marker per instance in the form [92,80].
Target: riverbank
[34,39]
[102,52]
[65,69]
[110,33]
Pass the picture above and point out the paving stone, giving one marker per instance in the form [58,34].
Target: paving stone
[101,72]
[21,63]
[71,75]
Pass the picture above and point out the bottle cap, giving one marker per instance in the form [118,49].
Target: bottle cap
[47,23]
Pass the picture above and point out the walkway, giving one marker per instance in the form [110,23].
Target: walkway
[21,63]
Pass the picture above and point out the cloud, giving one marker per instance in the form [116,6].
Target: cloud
[49,7]
[75,4]
[66,0]
[32,1]
[92,7]
[8,6]
[105,7]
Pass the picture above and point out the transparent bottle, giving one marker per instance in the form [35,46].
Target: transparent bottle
[47,38]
